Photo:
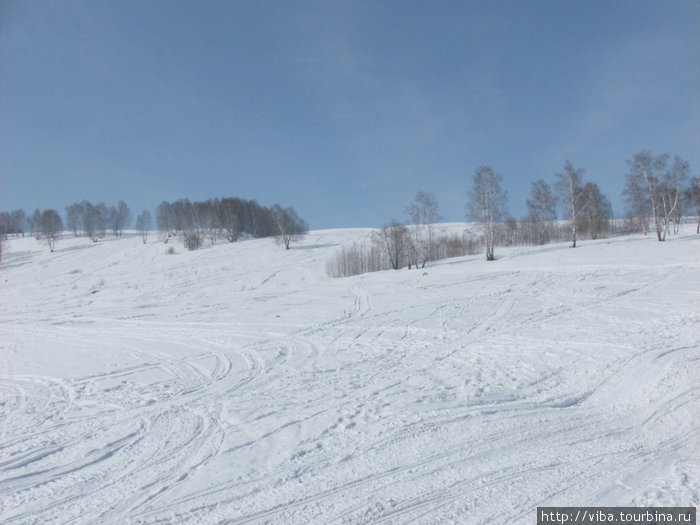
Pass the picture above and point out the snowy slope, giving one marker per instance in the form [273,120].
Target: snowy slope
[240,384]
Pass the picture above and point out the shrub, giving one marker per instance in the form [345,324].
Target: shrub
[362,258]
[192,240]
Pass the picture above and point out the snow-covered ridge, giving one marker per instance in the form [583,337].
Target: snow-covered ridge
[240,383]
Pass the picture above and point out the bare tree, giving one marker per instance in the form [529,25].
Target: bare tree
[192,239]
[594,219]
[183,212]
[651,181]
[692,198]
[672,193]
[205,219]
[231,214]
[261,221]
[35,223]
[111,219]
[290,227]
[19,220]
[102,218]
[12,223]
[393,240]
[92,220]
[74,218]
[165,220]
[568,186]
[638,204]
[357,259]
[51,227]
[5,224]
[541,209]
[214,219]
[120,218]
[188,219]
[509,229]
[487,202]
[143,224]
[424,215]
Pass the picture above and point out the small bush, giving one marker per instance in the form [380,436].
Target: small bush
[170,251]
[192,240]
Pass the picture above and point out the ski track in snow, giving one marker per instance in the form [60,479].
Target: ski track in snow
[239,384]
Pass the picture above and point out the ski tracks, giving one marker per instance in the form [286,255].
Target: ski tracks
[425,406]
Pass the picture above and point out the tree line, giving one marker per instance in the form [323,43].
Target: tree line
[93,221]
[229,218]
[657,192]
[47,224]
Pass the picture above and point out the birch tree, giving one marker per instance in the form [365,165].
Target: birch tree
[143,224]
[35,223]
[74,218]
[424,215]
[231,218]
[692,197]
[542,209]
[19,219]
[290,227]
[638,204]
[5,224]
[120,218]
[486,205]
[51,227]
[90,220]
[594,219]
[165,220]
[569,188]
[393,240]
[651,180]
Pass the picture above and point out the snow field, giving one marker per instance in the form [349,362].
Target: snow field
[240,384]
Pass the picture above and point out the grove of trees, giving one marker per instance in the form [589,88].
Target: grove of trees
[658,190]
[227,218]
[655,190]
[12,223]
[93,221]
[230,218]
[654,187]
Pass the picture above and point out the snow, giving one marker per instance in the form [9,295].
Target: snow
[240,384]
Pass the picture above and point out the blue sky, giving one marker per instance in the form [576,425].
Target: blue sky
[341,109]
